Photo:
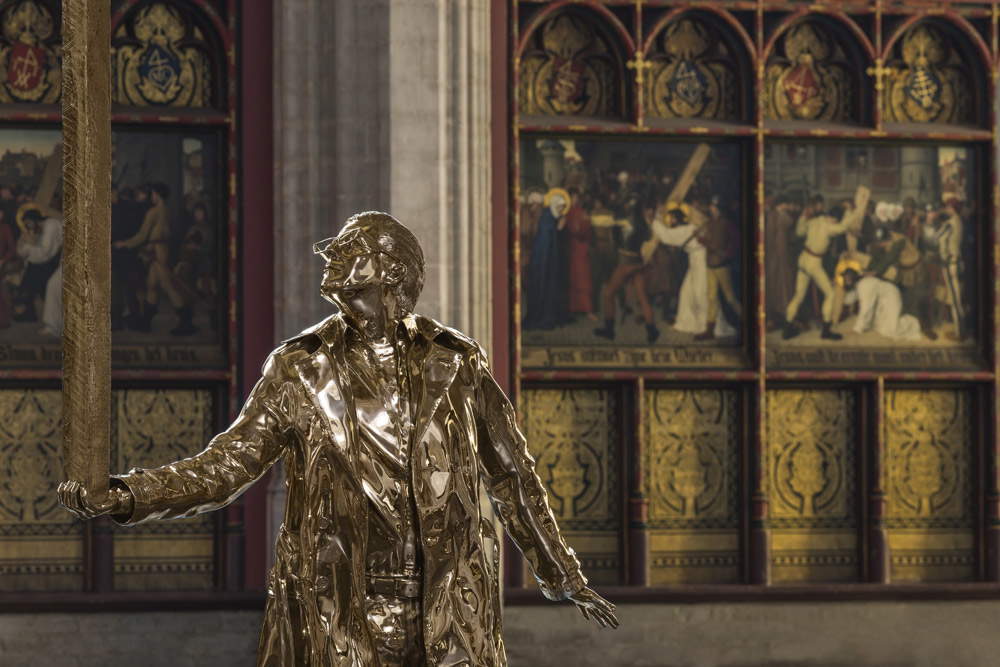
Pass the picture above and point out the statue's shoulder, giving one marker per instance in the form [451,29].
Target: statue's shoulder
[307,341]
[445,336]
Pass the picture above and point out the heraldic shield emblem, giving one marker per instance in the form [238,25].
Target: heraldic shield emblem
[30,63]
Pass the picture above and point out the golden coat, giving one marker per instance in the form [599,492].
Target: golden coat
[466,446]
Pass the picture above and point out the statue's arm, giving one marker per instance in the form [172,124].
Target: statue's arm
[518,495]
[231,463]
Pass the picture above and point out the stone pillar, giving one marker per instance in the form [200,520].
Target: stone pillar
[383,104]
[439,109]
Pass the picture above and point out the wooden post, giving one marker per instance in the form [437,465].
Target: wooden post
[86,261]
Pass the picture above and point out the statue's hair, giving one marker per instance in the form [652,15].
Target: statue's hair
[396,240]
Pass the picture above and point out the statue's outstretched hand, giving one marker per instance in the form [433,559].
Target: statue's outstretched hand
[74,497]
[594,607]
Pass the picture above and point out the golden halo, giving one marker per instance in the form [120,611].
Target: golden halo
[842,266]
[560,192]
[684,208]
[28,206]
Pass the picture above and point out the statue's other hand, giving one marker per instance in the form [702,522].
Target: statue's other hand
[74,497]
[594,607]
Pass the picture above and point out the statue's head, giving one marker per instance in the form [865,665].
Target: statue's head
[374,268]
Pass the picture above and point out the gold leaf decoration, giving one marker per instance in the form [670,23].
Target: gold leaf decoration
[928,436]
[927,80]
[160,59]
[154,427]
[691,478]
[811,485]
[692,74]
[570,68]
[41,544]
[572,435]
[30,54]
[807,77]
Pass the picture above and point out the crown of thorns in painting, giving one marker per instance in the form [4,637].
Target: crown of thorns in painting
[370,232]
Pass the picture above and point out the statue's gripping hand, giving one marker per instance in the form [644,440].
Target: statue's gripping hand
[594,607]
[118,501]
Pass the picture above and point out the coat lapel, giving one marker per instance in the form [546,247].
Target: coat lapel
[432,370]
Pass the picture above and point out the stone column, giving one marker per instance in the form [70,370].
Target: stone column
[383,104]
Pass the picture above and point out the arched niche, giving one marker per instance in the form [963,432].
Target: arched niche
[816,71]
[699,67]
[934,73]
[572,64]
[167,54]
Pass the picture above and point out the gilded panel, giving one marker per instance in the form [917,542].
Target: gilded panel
[570,68]
[154,427]
[692,74]
[812,479]
[573,435]
[929,485]
[927,81]
[41,547]
[30,54]
[808,76]
[691,466]
[159,58]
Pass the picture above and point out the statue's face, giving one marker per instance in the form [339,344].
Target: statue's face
[362,275]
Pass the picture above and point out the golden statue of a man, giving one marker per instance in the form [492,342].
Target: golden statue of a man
[391,429]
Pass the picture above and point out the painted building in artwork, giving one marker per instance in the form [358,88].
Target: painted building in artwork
[759,379]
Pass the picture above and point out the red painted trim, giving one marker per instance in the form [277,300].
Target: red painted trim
[499,190]
[256,263]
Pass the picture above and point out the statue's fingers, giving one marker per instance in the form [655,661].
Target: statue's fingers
[584,611]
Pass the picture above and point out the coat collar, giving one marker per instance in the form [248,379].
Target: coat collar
[432,368]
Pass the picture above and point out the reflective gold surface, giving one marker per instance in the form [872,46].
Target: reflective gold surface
[812,481]
[930,517]
[311,409]
[152,426]
[41,546]
[573,436]
[691,469]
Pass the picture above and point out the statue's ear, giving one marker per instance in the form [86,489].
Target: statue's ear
[395,273]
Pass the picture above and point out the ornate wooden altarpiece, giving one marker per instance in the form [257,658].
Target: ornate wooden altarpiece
[700,450]
[175,98]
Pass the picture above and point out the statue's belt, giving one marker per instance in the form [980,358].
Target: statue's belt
[397,586]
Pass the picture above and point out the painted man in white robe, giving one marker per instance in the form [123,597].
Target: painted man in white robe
[880,308]
[692,307]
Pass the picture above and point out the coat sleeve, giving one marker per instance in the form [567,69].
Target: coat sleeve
[518,495]
[231,463]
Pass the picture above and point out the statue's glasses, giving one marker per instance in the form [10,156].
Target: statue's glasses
[349,245]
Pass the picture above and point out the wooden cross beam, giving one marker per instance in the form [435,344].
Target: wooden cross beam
[86,258]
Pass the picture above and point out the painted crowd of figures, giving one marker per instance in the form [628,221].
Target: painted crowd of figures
[615,245]
[900,268]
[149,258]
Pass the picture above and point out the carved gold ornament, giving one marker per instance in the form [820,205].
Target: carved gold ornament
[807,78]
[691,467]
[569,70]
[810,457]
[159,60]
[693,74]
[30,55]
[570,434]
[929,83]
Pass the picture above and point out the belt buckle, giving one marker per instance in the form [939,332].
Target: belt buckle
[407,588]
